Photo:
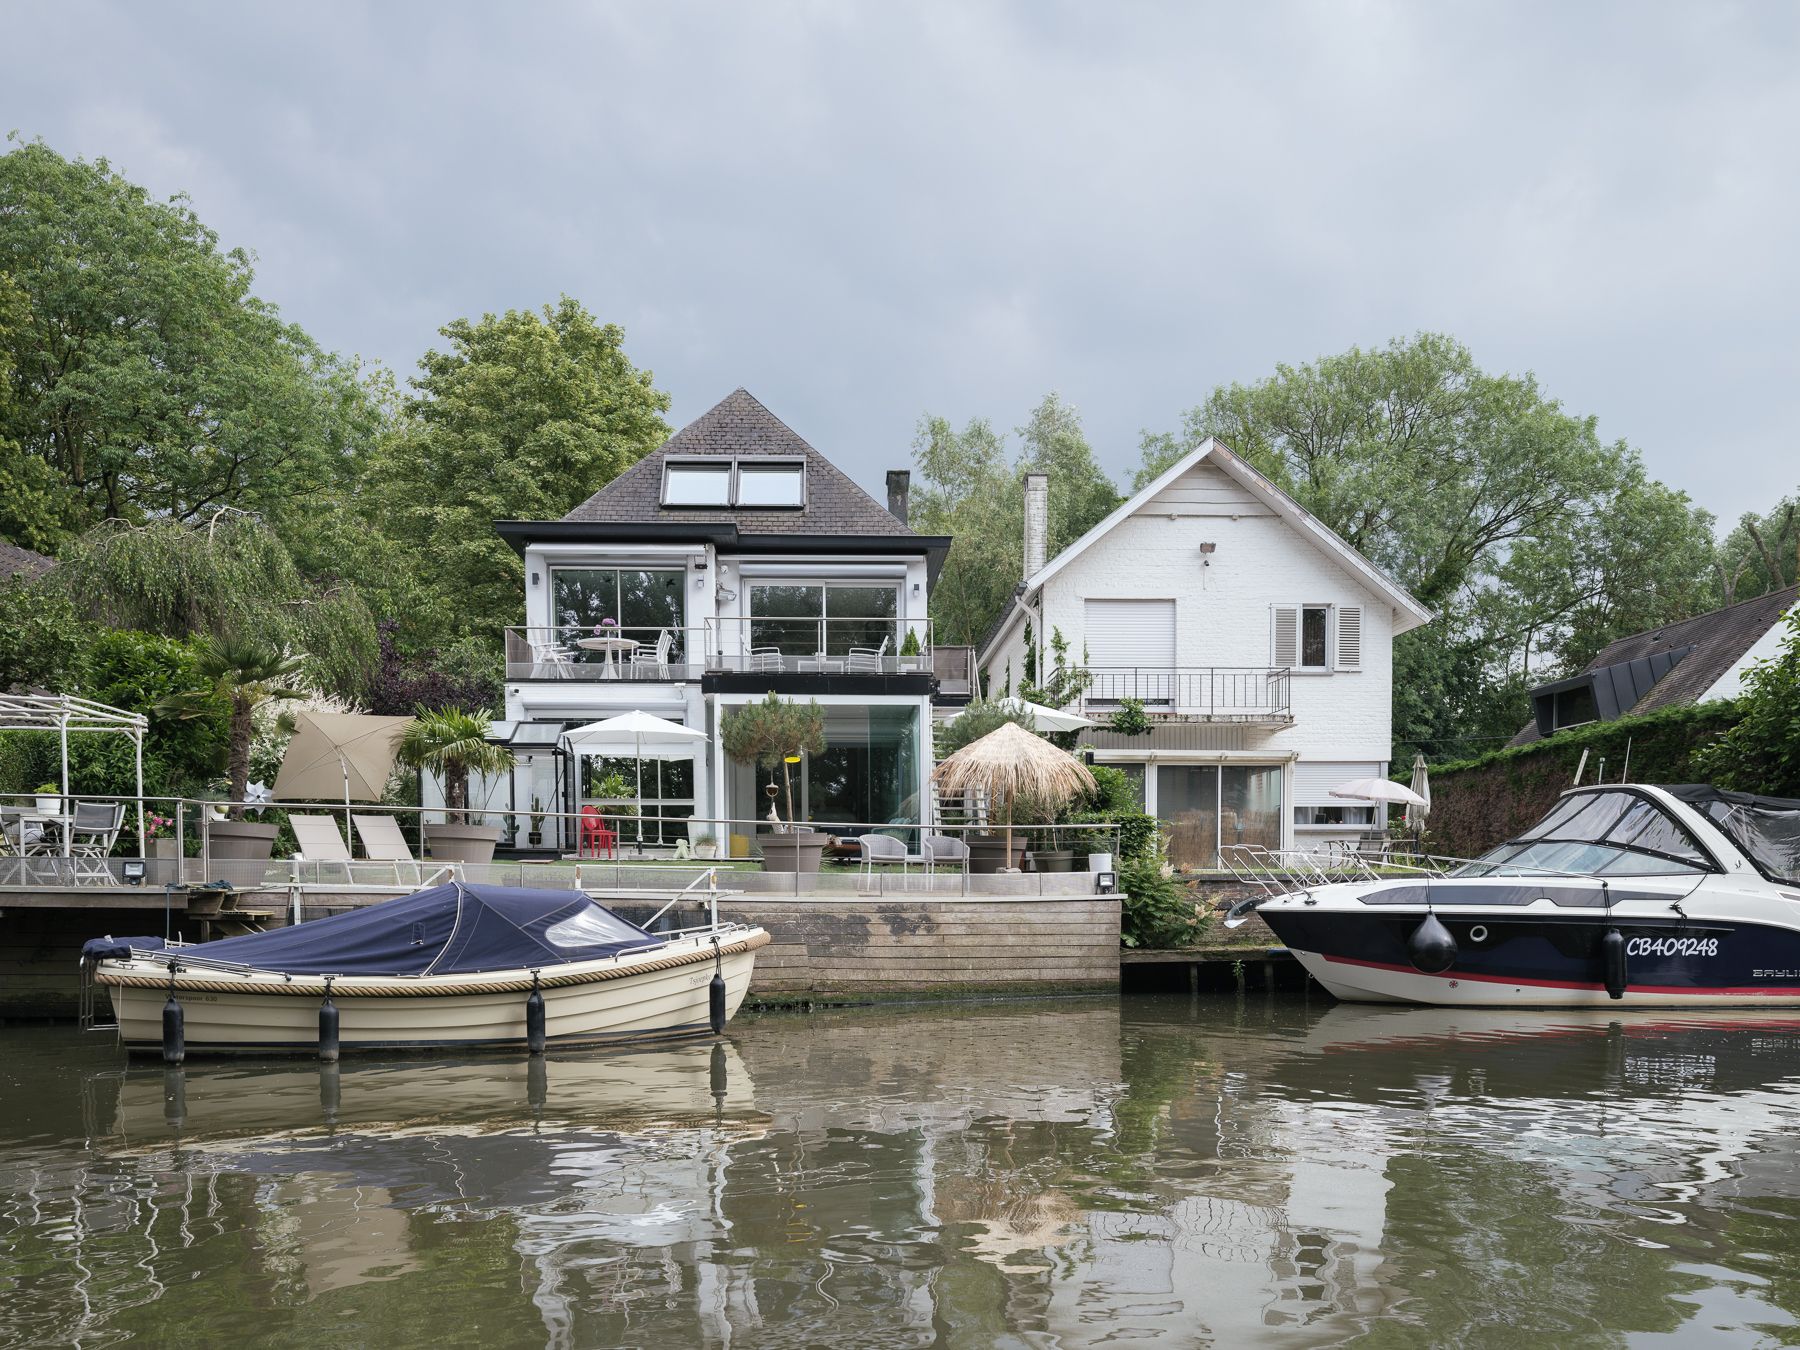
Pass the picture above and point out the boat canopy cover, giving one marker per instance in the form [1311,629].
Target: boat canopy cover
[1767,829]
[446,930]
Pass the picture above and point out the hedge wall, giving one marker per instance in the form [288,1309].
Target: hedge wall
[1477,803]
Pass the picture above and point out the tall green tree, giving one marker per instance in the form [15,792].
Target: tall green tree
[1761,554]
[1535,541]
[522,416]
[241,673]
[147,380]
[972,488]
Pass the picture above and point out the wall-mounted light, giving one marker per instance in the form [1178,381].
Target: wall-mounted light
[1209,548]
[133,872]
[1106,882]
[534,579]
[915,588]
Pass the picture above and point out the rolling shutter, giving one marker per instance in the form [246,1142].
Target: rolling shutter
[1349,637]
[1133,633]
[1284,647]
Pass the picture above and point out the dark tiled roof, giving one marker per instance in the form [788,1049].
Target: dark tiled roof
[740,425]
[22,562]
[1718,639]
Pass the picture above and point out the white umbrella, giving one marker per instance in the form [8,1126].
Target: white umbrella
[637,735]
[1378,790]
[1044,719]
[1421,784]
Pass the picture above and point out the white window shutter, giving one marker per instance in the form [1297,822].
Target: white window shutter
[1349,637]
[1285,647]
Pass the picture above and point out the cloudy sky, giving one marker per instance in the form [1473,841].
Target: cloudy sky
[864,212]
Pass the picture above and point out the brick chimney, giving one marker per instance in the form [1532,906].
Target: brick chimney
[1037,522]
[899,486]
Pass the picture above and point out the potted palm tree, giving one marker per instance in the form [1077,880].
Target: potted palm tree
[776,732]
[451,744]
[244,674]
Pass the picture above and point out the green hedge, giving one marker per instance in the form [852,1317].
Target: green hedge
[1477,803]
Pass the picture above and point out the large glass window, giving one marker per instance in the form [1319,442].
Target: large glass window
[771,484]
[1209,807]
[802,620]
[641,602]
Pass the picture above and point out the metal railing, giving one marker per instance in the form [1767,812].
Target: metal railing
[1209,693]
[757,646]
[588,849]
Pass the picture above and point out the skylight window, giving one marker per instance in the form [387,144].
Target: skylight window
[734,482]
[697,484]
[771,484]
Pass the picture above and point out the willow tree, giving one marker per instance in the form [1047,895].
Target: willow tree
[228,577]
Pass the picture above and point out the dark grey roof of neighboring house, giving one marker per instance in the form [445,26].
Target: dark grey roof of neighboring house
[740,425]
[1717,638]
[22,562]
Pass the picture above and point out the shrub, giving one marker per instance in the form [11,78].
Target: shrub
[1761,753]
[1156,910]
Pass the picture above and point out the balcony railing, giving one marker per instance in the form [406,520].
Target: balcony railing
[1201,693]
[758,646]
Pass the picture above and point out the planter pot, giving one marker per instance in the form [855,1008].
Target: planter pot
[162,849]
[793,852]
[239,840]
[706,851]
[49,806]
[462,843]
[535,839]
[987,852]
[1054,860]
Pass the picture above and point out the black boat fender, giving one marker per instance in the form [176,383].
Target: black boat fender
[174,1032]
[1431,949]
[328,1027]
[715,993]
[1615,972]
[534,1018]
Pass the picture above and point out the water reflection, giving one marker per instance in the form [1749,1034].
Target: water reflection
[1057,1175]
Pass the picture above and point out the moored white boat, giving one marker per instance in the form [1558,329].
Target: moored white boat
[1623,894]
[454,966]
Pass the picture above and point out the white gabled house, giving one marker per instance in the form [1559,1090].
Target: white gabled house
[1258,641]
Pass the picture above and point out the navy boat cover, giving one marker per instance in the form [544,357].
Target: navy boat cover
[450,929]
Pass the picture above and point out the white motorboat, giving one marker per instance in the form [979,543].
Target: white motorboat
[1647,896]
[455,966]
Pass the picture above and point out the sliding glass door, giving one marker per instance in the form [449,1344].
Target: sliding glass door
[1207,807]
[641,602]
[823,620]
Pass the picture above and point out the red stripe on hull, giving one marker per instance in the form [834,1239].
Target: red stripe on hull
[1769,991]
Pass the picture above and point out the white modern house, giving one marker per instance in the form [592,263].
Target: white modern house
[1259,643]
[732,561]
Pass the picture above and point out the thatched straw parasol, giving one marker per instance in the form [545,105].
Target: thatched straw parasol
[1009,762]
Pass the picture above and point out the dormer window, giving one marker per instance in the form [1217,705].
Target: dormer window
[744,483]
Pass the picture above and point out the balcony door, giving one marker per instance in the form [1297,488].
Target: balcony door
[640,603]
[1131,650]
[823,620]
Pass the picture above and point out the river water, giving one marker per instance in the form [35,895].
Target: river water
[1238,1172]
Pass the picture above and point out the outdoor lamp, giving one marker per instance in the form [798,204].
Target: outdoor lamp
[1106,882]
[534,578]
[792,759]
[133,872]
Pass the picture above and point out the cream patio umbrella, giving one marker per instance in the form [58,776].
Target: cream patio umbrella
[1421,786]
[1009,761]
[332,753]
[1042,718]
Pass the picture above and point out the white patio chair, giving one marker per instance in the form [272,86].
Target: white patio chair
[655,666]
[317,840]
[92,834]
[866,660]
[383,842]
[764,661]
[549,653]
[944,848]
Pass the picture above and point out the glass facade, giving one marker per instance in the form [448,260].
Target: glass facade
[869,772]
[611,787]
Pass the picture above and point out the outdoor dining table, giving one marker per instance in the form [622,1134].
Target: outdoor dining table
[612,648]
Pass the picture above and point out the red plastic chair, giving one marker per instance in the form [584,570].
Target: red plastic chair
[596,835]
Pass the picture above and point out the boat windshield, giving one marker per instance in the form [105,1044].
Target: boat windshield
[1766,828]
[1598,834]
